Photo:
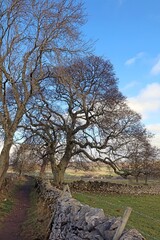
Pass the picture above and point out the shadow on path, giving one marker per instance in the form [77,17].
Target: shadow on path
[12,224]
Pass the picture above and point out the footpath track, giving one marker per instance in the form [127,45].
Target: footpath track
[11,229]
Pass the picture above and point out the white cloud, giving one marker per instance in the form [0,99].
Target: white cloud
[11,150]
[156,140]
[129,85]
[148,100]
[147,103]
[132,60]
[1,146]
[155,128]
[156,68]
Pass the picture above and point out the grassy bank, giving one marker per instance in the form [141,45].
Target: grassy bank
[37,219]
[6,204]
[6,201]
[145,216]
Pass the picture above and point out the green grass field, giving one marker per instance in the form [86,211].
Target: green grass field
[145,216]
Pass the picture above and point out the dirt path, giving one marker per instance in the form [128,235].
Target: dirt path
[12,225]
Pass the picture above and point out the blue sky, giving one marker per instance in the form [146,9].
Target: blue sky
[127,32]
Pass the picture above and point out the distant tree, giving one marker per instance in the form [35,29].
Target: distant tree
[23,159]
[33,34]
[156,167]
[150,161]
[142,158]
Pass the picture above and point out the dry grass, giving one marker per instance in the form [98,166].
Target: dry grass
[38,218]
[6,204]
[6,200]
[97,172]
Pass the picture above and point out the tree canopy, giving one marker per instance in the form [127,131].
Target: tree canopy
[33,35]
[81,113]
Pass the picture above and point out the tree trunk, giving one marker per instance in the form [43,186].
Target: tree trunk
[20,173]
[146,179]
[58,176]
[136,177]
[4,161]
[43,168]
[58,172]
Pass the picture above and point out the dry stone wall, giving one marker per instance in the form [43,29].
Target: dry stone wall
[75,221]
[108,187]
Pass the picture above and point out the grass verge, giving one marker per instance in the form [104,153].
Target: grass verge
[36,225]
[6,203]
[145,216]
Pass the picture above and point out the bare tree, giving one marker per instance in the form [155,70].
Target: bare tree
[32,35]
[142,156]
[74,103]
[82,113]
[149,160]
[112,138]
[24,159]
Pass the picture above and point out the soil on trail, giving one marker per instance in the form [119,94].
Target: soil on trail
[11,228]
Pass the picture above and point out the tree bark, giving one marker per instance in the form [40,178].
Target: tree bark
[43,167]
[136,177]
[58,173]
[58,169]
[4,161]
[146,179]
[58,176]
